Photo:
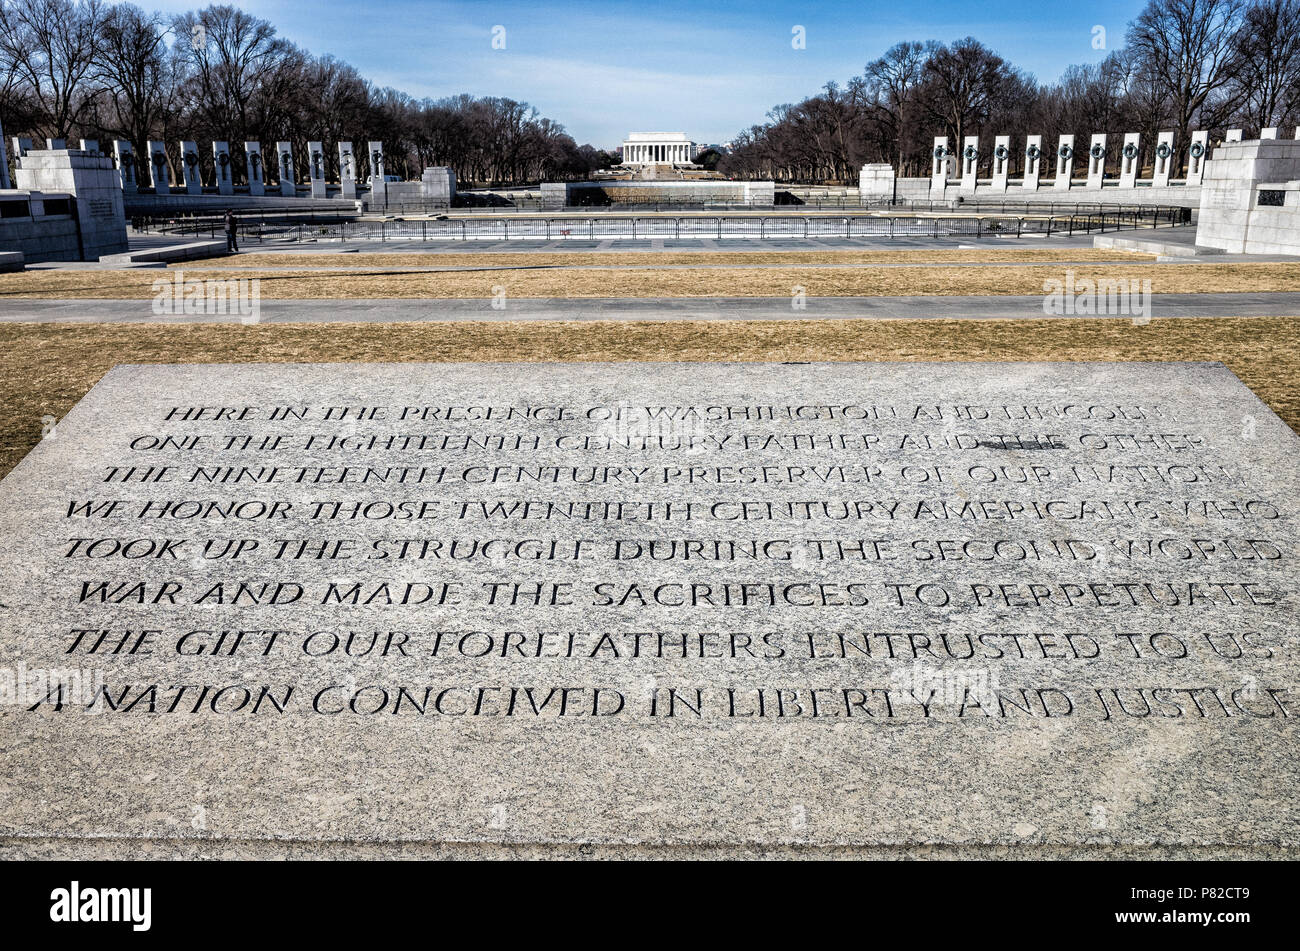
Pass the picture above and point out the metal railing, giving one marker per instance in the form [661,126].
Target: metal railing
[600,227]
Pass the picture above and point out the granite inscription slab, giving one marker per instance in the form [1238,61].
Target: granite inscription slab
[648,604]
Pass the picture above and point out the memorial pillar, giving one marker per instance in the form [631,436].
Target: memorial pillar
[1001,162]
[1268,133]
[970,163]
[939,173]
[4,162]
[316,168]
[284,164]
[1033,162]
[1197,153]
[159,177]
[223,168]
[347,171]
[1064,163]
[378,186]
[1097,161]
[125,160]
[190,168]
[256,169]
[1232,135]
[1163,170]
[1130,160]
[90,145]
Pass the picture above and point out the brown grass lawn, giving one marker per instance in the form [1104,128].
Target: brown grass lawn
[943,280]
[46,368]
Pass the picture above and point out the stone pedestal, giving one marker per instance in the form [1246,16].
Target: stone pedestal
[347,171]
[1130,160]
[256,169]
[876,182]
[1230,188]
[555,196]
[95,186]
[90,145]
[224,168]
[438,186]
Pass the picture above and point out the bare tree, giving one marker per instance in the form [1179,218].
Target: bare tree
[134,67]
[1265,66]
[895,83]
[1187,45]
[52,45]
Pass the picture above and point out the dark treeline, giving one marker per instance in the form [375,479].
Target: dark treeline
[89,69]
[1185,65]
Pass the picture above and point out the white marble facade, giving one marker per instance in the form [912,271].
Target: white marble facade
[658,148]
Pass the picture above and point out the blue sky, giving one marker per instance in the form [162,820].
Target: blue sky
[708,69]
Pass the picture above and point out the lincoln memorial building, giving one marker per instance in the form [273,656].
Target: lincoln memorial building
[657,148]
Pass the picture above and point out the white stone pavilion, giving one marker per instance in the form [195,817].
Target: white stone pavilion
[657,148]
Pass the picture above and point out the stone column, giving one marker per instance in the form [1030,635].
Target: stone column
[1165,160]
[1001,162]
[223,168]
[1130,160]
[939,172]
[1197,153]
[1232,135]
[1097,160]
[378,187]
[1268,133]
[347,171]
[1033,162]
[56,143]
[284,165]
[316,168]
[90,145]
[970,163]
[4,162]
[190,168]
[125,160]
[159,177]
[1064,163]
[22,145]
[256,169]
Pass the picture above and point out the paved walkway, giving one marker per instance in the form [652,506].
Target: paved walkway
[661,308]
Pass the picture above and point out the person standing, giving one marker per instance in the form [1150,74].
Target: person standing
[232,238]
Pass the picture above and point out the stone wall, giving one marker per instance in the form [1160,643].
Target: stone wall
[146,205]
[52,238]
[1240,181]
[96,189]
